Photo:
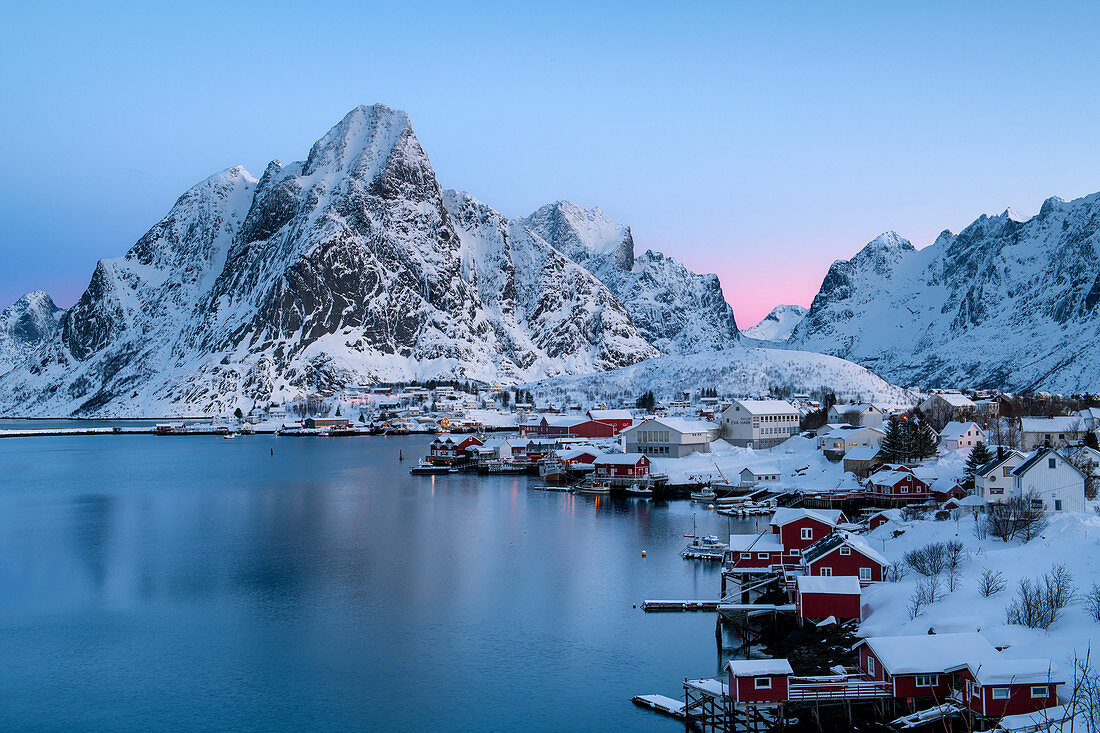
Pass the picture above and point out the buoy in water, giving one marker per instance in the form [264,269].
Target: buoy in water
[710,506]
[643,553]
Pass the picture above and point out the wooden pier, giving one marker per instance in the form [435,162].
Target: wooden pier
[654,606]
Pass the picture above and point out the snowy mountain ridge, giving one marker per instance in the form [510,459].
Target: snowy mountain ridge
[353,265]
[1008,302]
[25,325]
[778,324]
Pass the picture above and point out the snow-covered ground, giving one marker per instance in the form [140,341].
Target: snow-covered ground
[736,371]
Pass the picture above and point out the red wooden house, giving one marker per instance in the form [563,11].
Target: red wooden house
[820,597]
[883,516]
[843,554]
[446,449]
[797,529]
[621,465]
[918,666]
[995,687]
[569,427]
[758,680]
[753,551]
[896,484]
[620,420]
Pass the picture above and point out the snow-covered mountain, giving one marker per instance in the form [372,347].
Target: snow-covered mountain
[777,325]
[740,370]
[677,310]
[355,266]
[1006,303]
[25,325]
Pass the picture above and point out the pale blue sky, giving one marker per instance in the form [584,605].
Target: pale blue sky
[760,141]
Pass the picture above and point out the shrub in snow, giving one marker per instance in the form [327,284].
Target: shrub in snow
[1092,602]
[1039,602]
[991,582]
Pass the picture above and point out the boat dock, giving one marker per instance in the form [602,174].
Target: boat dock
[656,606]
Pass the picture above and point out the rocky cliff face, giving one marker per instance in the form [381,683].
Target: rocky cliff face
[1005,303]
[25,326]
[678,311]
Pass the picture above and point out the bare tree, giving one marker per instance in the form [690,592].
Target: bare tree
[1020,516]
[955,554]
[1081,459]
[991,582]
[1039,603]
[1092,602]
[926,592]
[1031,516]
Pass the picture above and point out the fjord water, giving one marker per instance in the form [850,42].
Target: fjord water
[201,583]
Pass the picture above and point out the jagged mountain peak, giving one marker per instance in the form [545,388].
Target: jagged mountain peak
[363,142]
[778,324]
[584,234]
[25,325]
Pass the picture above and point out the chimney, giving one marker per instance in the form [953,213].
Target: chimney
[1000,452]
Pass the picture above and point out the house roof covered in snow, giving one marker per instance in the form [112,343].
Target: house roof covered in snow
[763,542]
[929,653]
[1069,424]
[610,415]
[786,515]
[1034,459]
[769,407]
[758,667]
[999,670]
[858,408]
[824,546]
[956,400]
[986,468]
[955,429]
[862,453]
[680,425]
[888,478]
[619,459]
[843,585]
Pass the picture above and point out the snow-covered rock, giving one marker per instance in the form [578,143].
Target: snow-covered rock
[677,310]
[777,325]
[1005,303]
[348,266]
[25,325]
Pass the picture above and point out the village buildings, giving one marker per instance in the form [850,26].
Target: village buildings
[1053,479]
[1054,432]
[863,413]
[759,423]
[961,436]
[670,437]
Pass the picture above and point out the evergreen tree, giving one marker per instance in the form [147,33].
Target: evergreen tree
[892,446]
[979,456]
[924,443]
[238,414]
[1091,441]
[337,410]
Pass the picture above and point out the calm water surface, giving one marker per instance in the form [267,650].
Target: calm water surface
[200,583]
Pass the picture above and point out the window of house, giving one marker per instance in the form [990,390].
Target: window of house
[825,572]
[1039,691]
[1057,505]
[796,553]
[807,533]
[762,555]
[746,555]
[1007,472]
[870,665]
[975,691]
[1036,503]
[1000,693]
[845,550]
[762,683]
[927,680]
[865,573]
[996,491]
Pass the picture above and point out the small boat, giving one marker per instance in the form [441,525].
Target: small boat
[229,436]
[425,468]
[707,547]
[703,495]
[636,490]
[592,489]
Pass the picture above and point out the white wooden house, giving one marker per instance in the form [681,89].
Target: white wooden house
[961,436]
[1056,481]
